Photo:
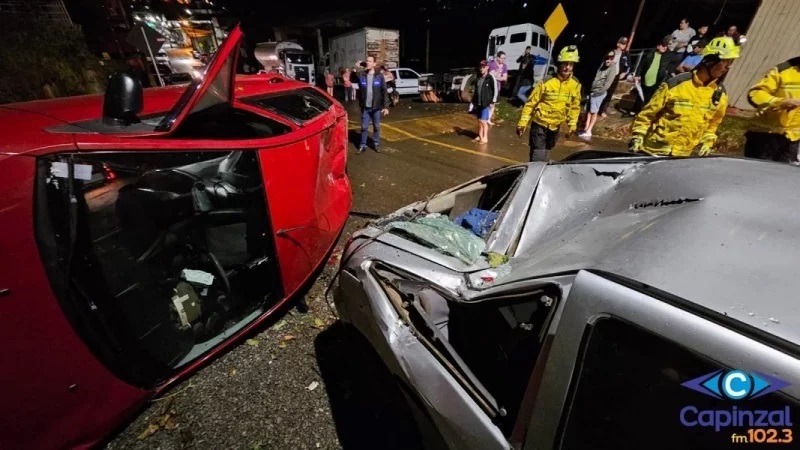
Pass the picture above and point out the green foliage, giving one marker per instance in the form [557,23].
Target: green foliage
[35,54]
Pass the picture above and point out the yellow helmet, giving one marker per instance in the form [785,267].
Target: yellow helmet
[569,54]
[724,47]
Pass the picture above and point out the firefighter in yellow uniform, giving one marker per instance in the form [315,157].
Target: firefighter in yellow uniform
[687,109]
[550,104]
[775,134]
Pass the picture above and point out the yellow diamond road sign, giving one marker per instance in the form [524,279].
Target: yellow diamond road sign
[556,23]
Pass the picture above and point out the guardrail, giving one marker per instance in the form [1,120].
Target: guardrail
[636,55]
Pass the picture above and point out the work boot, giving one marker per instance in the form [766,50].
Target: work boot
[377,148]
[361,149]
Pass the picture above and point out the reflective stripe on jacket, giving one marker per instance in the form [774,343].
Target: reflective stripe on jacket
[553,102]
[682,114]
[781,82]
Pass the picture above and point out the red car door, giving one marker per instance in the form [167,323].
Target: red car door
[307,188]
[56,394]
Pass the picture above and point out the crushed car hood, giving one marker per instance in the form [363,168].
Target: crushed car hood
[719,232]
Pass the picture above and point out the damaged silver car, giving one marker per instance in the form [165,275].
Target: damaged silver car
[604,303]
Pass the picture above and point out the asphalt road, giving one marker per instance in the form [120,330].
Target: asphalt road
[305,382]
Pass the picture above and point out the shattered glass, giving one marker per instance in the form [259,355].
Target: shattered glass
[439,232]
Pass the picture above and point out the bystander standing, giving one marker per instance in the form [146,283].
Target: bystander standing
[329,80]
[391,84]
[348,86]
[600,87]
[373,98]
[691,61]
[622,61]
[483,99]
[652,71]
[525,72]
[702,35]
[683,35]
[499,70]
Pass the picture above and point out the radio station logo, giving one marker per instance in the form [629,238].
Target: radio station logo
[735,384]
[739,386]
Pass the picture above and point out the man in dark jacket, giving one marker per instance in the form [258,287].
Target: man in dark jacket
[622,60]
[654,69]
[525,73]
[485,96]
[373,97]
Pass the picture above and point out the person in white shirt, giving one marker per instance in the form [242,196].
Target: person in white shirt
[682,36]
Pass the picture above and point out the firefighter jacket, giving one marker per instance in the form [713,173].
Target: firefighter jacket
[781,82]
[553,102]
[682,113]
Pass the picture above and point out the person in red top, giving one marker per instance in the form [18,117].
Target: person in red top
[348,86]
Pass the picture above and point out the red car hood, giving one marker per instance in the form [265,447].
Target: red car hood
[24,125]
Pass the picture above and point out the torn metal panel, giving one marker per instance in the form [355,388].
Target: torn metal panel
[517,209]
[460,420]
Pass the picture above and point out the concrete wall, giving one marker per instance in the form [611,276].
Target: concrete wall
[773,37]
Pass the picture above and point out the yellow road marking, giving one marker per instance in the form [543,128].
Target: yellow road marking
[438,116]
[429,126]
[391,136]
[452,147]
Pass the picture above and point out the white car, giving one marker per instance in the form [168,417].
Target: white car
[407,80]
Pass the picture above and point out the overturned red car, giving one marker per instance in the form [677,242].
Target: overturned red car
[143,232]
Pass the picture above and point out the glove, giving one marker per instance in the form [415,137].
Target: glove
[705,150]
[520,131]
[635,143]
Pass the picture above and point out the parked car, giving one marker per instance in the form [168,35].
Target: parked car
[407,80]
[603,303]
[141,243]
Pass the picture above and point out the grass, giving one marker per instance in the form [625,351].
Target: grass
[506,112]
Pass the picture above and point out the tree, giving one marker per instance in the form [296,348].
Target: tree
[39,57]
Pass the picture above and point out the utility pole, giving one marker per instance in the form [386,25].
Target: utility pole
[635,24]
[152,58]
[321,50]
[428,47]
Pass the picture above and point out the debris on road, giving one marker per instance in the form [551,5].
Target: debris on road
[312,386]
[165,420]
[253,342]
[279,326]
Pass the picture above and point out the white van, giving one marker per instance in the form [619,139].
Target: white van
[513,39]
